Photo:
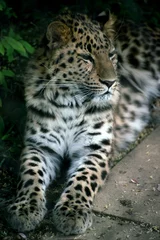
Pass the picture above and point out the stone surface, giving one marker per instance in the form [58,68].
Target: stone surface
[105,228]
[133,188]
[108,229]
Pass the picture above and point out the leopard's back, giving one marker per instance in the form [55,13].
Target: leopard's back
[138,48]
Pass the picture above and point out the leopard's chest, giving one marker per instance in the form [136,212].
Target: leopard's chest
[66,132]
[71,131]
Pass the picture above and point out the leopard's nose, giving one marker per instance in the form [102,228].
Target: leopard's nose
[107,82]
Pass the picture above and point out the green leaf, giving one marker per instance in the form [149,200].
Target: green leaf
[1,126]
[0,102]
[11,33]
[25,54]
[9,49]
[4,43]
[2,50]
[14,35]
[2,5]
[5,137]
[27,46]
[1,77]
[8,73]
[2,80]
[16,45]
[10,54]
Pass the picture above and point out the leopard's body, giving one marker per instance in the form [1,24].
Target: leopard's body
[77,114]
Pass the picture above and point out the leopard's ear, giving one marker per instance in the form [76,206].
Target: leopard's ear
[109,26]
[58,34]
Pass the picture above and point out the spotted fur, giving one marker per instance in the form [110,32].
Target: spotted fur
[77,115]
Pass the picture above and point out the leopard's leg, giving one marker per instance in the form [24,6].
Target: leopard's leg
[36,172]
[73,212]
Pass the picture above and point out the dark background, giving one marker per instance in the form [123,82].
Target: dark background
[138,10]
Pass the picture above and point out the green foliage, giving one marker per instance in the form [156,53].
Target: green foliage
[12,48]
[1,126]
[6,10]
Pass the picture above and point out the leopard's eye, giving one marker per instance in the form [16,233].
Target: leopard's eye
[87,58]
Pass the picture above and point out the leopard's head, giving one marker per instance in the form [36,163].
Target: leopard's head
[80,59]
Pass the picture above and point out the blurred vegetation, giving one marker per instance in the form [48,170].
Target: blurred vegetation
[21,24]
[13,49]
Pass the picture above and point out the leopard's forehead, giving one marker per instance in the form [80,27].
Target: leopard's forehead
[86,33]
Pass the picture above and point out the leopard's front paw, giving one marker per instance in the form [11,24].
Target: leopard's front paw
[72,220]
[24,216]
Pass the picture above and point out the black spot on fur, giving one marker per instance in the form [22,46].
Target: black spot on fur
[83,199]
[93,186]
[28,183]
[33,194]
[33,131]
[137,103]
[30,172]
[40,181]
[63,208]
[133,60]
[37,189]
[48,149]
[78,195]
[94,133]
[33,202]
[40,113]
[78,187]
[63,65]
[48,77]
[44,130]
[95,155]
[124,46]
[98,125]
[102,164]
[80,169]
[93,177]
[127,97]
[87,191]
[80,30]
[94,146]
[36,159]
[40,173]
[32,209]
[103,175]
[105,142]
[82,178]
[70,197]
[89,48]
[89,163]
[71,59]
